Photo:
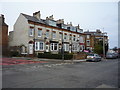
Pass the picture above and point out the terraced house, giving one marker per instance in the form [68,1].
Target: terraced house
[94,37]
[35,35]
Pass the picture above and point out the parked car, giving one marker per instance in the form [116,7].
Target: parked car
[116,55]
[93,57]
[111,56]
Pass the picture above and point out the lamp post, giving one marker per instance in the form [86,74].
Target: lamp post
[62,47]
[103,45]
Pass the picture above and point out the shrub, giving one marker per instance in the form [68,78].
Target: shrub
[55,56]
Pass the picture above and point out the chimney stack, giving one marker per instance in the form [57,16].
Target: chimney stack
[71,23]
[98,31]
[51,17]
[60,21]
[37,15]
[2,19]
[78,26]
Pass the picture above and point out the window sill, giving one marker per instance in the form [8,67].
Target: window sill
[30,36]
[39,50]
[39,36]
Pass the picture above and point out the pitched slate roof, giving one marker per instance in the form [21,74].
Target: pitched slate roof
[34,19]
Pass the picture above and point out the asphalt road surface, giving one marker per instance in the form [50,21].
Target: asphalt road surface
[102,74]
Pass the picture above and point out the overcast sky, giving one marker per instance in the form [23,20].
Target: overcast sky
[89,15]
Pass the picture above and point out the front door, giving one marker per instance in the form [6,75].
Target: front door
[47,48]
[30,48]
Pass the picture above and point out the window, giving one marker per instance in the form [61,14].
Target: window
[74,47]
[66,47]
[81,39]
[54,35]
[88,42]
[88,36]
[54,46]
[74,38]
[60,36]
[36,45]
[39,33]
[65,36]
[31,31]
[70,37]
[39,46]
[47,34]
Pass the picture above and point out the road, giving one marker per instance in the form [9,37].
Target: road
[65,75]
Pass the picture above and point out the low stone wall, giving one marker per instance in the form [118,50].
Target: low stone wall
[79,56]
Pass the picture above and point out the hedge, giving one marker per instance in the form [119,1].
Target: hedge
[55,56]
[14,53]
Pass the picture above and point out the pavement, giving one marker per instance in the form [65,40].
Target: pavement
[50,60]
[14,61]
[28,60]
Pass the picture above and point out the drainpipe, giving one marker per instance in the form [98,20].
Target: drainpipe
[34,42]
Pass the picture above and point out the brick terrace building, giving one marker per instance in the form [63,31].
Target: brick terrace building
[94,37]
[3,36]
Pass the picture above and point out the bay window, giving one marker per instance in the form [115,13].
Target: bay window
[54,46]
[39,46]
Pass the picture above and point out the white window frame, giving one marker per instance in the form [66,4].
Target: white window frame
[60,36]
[54,35]
[37,46]
[31,31]
[87,42]
[39,34]
[65,37]
[70,37]
[74,47]
[66,47]
[88,36]
[81,39]
[47,34]
[53,45]
[42,46]
[74,37]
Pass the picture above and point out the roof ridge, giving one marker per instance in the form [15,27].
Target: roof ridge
[26,14]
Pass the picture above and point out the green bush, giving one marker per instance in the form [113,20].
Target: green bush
[55,56]
[14,53]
